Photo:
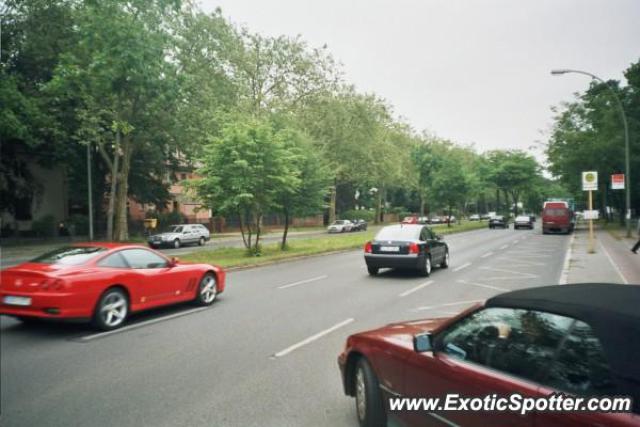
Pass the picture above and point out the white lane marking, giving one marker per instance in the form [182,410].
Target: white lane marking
[483,285]
[312,338]
[449,304]
[624,279]
[564,273]
[302,282]
[488,254]
[465,265]
[141,324]
[416,288]
[503,247]
[520,274]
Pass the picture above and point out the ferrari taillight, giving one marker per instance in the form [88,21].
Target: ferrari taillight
[52,285]
[367,248]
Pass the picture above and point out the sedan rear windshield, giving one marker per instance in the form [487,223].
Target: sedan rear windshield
[523,218]
[397,232]
[69,255]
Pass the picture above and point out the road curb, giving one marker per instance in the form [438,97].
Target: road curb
[566,265]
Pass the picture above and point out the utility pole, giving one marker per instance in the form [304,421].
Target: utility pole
[90,191]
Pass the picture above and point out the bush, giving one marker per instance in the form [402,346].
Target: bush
[44,226]
[367,215]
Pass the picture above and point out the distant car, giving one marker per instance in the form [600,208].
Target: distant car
[576,340]
[436,220]
[103,283]
[340,226]
[423,220]
[485,216]
[410,220]
[359,225]
[523,221]
[450,219]
[498,221]
[533,218]
[178,235]
[406,246]
[474,217]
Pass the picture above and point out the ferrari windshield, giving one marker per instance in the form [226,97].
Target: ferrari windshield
[69,255]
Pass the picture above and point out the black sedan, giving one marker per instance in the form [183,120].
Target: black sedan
[359,225]
[498,221]
[406,246]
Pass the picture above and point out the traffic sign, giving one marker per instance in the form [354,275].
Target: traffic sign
[592,214]
[617,181]
[589,181]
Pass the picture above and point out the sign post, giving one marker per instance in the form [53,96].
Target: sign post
[590,184]
[617,181]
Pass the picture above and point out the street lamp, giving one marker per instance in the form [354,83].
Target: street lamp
[560,72]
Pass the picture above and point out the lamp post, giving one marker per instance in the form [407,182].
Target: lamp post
[626,140]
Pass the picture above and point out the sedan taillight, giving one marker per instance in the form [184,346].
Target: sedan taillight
[414,248]
[367,248]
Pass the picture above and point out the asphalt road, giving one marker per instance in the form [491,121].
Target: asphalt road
[264,354]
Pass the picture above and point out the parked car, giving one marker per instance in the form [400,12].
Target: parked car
[474,217]
[103,283]
[498,221]
[410,220]
[407,246]
[523,221]
[359,225]
[423,220]
[178,235]
[485,216]
[574,339]
[436,220]
[340,226]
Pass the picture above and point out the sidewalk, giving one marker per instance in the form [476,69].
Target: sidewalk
[612,262]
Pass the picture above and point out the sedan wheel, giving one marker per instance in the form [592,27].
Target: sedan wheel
[372,270]
[201,241]
[445,260]
[369,404]
[176,243]
[207,291]
[425,270]
[112,310]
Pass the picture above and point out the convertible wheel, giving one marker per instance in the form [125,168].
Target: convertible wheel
[369,404]
[112,310]
[445,260]
[372,270]
[207,291]
[425,269]
[176,243]
[201,241]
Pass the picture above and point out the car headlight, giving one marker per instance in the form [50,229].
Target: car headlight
[165,237]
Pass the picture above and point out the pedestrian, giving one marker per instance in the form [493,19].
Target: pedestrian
[637,245]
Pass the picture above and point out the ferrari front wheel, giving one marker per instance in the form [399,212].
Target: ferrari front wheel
[207,290]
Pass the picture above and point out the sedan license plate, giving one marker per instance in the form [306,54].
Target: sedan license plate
[22,301]
[389,248]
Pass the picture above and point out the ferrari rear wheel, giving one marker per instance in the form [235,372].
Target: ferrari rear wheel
[369,403]
[112,310]
[207,291]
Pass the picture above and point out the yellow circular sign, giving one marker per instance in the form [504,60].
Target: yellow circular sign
[590,177]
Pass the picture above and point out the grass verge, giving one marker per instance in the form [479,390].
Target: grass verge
[237,257]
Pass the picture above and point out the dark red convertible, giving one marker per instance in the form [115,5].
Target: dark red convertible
[581,340]
[103,283]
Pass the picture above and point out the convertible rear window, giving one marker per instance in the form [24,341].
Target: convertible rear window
[69,255]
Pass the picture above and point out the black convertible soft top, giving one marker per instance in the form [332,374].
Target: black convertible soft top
[612,311]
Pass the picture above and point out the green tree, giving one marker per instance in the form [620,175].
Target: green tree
[245,172]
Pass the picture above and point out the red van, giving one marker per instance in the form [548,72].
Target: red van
[557,217]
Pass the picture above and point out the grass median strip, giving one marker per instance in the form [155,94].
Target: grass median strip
[237,257]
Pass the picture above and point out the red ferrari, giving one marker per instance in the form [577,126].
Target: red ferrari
[104,283]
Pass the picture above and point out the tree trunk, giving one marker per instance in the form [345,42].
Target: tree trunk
[421,205]
[244,240]
[497,200]
[449,216]
[332,204]
[122,199]
[114,179]
[258,219]
[283,246]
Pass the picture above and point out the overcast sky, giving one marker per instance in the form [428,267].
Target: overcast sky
[474,71]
